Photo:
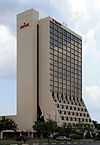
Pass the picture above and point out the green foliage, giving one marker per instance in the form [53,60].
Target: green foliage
[45,128]
[97,137]
[7,124]
[76,136]
[96,124]
[65,129]
[50,126]
[68,130]
[39,126]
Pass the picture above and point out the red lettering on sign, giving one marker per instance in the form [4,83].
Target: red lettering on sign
[24,25]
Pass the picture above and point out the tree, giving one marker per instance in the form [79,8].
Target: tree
[68,130]
[96,125]
[62,130]
[77,131]
[83,130]
[39,126]
[7,124]
[45,128]
[51,127]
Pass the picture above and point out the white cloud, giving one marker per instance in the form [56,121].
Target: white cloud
[97,5]
[7,53]
[89,45]
[92,100]
[91,60]
[94,93]
[62,7]
[58,4]
[78,8]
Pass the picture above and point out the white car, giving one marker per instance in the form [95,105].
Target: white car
[62,138]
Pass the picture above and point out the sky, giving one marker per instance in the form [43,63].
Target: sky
[82,16]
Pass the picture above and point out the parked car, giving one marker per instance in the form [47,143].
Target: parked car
[62,138]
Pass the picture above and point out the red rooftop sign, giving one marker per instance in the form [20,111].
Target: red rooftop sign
[24,25]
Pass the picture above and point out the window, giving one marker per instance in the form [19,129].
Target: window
[78,109]
[57,105]
[70,107]
[66,107]
[62,106]
[84,114]
[72,50]
[68,53]
[64,112]
[52,94]
[68,48]
[68,113]
[87,115]
[68,58]
[60,111]
[89,120]
[82,119]
[67,118]
[72,55]
[76,113]
[86,120]
[62,117]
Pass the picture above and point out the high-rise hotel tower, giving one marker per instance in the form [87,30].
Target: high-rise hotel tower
[49,72]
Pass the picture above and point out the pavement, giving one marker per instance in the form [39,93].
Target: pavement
[98,143]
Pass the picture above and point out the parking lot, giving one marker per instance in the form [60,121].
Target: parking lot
[51,142]
[95,143]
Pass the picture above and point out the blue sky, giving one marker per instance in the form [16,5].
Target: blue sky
[83,16]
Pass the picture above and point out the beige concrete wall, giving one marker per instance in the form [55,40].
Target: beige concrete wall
[46,102]
[27,69]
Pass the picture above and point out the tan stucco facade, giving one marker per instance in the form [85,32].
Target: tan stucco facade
[46,102]
[27,69]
